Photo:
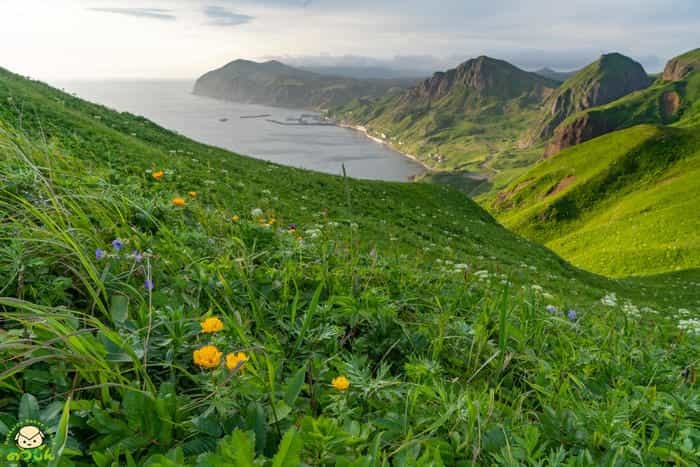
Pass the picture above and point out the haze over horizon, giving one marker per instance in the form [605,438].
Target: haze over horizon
[181,39]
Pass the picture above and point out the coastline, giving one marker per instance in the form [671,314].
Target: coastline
[363,130]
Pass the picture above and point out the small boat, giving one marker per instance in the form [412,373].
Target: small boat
[223,119]
[255,116]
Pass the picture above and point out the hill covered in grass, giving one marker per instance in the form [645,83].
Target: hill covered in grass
[170,303]
[665,102]
[470,118]
[276,84]
[620,204]
[609,78]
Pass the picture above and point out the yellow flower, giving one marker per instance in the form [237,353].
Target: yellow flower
[236,218]
[177,201]
[207,357]
[272,221]
[341,383]
[236,360]
[158,175]
[193,194]
[211,325]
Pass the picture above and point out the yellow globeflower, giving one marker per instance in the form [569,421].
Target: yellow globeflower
[207,357]
[177,201]
[158,175]
[236,360]
[211,325]
[193,194]
[236,218]
[341,383]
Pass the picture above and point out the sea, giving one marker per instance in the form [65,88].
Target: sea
[172,105]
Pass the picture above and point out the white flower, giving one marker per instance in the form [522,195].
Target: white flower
[537,288]
[692,326]
[609,300]
[257,212]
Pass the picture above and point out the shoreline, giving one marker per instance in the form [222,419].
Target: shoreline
[426,169]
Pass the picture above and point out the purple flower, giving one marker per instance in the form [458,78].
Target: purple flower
[292,227]
[99,253]
[551,309]
[148,284]
[117,244]
[138,257]
[571,315]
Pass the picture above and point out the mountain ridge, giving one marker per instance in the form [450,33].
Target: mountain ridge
[276,84]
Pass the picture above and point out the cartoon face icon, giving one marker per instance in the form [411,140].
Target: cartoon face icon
[29,437]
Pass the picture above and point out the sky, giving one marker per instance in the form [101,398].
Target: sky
[182,39]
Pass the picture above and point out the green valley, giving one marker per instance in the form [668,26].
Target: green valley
[169,303]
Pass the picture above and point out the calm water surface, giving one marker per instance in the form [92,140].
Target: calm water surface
[322,148]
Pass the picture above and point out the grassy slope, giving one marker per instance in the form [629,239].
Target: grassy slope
[607,71]
[628,205]
[445,366]
[645,106]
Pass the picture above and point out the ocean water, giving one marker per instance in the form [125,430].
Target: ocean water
[322,148]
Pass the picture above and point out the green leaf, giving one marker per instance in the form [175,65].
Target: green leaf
[294,386]
[59,441]
[119,309]
[28,407]
[239,448]
[289,450]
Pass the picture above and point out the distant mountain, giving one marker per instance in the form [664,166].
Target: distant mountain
[605,80]
[276,84]
[457,118]
[559,76]
[673,99]
[369,72]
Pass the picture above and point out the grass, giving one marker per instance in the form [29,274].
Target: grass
[619,205]
[435,314]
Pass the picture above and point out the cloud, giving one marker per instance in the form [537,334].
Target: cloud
[219,16]
[152,13]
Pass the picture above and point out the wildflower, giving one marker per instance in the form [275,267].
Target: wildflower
[257,212]
[99,253]
[272,221]
[148,284]
[234,361]
[292,228]
[571,315]
[158,175]
[117,244]
[207,356]
[341,383]
[236,218]
[138,257]
[193,194]
[177,201]
[551,309]
[211,325]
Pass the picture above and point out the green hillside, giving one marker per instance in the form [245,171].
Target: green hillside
[276,84]
[621,204]
[605,80]
[665,102]
[358,323]
[470,118]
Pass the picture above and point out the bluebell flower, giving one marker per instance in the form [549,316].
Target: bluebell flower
[99,253]
[551,309]
[148,284]
[138,257]
[117,244]
[571,315]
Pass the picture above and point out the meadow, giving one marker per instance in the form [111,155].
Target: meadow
[167,303]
